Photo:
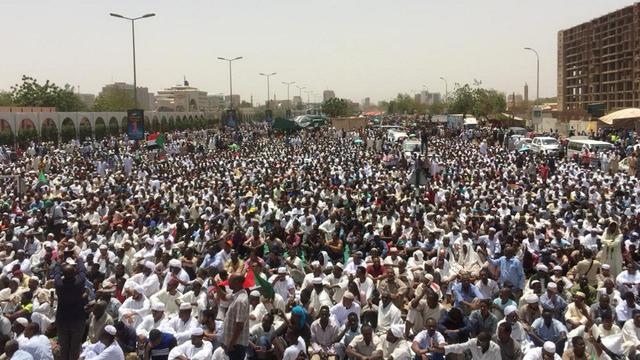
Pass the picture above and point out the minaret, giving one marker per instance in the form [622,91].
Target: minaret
[526,93]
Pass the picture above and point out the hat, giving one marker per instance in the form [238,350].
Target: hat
[150,265]
[185,306]
[70,261]
[138,288]
[606,267]
[348,295]
[552,286]
[542,267]
[557,268]
[535,282]
[158,306]
[580,294]
[397,330]
[510,310]
[197,331]
[316,281]
[282,270]
[315,263]
[255,293]
[393,249]
[110,329]
[549,347]
[22,321]
[175,263]
[531,298]
[103,247]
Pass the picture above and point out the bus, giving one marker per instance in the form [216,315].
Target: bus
[577,144]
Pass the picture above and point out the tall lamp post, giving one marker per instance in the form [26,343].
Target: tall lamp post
[537,72]
[288,99]
[133,36]
[268,89]
[300,88]
[230,79]
[446,92]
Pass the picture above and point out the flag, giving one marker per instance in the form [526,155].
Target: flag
[267,289]
[41,177]
[155,140]
[346,254]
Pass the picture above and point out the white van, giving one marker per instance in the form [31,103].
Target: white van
[576,145]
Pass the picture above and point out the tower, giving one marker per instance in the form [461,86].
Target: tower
[526,93]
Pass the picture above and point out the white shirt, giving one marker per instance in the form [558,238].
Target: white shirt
[39,347]
[340,313]
[536,354]
[388,316]
[204,352]
[140,308]
[181,329]
[476,351]
[292,352]
[112,352]
[148,324]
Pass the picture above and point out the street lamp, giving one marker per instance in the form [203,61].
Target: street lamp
[288,85]
[446,89]
[308,93]
[133,36]
[268,90]
[230,79]
[537,72]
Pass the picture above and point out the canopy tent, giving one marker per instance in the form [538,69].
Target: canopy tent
[625,118]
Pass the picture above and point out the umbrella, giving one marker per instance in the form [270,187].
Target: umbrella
[234,147]
[358,141]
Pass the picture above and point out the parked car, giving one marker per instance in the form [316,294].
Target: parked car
[397,135]
[545,145]
[523,143]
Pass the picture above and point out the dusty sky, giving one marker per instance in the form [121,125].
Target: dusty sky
[358,48]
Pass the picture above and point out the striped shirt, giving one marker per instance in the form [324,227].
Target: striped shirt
[238,312]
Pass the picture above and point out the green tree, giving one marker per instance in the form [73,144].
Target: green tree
[462,100]
[113,99]
[488,102]
[5,99]
[32,93]
[336,107]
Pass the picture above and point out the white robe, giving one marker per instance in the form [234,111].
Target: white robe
[148,324]
[187,349]
[140,308]
[181,329]
[388,316]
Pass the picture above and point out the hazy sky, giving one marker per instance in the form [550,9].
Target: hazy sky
[358,48]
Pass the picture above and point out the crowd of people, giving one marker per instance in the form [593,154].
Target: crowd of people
[248,244]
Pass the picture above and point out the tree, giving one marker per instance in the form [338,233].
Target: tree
[462,100]
[32,93]
[488,102]
[113,99]
[5,99]
[336,107]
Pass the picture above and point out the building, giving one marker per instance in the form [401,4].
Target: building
[327,95]
[236,100]
[428,98]
[599,62]
[144,99]
[366,103]
[182,98]
[87,99]
[216,103]
[297,101]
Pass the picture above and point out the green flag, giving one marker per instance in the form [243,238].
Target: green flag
[267,289]
[41,177]
[346,254]
[160,140]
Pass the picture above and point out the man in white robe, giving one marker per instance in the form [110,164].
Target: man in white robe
[194,349]
[134,308]
[388,314]
[182,325]
[156,320]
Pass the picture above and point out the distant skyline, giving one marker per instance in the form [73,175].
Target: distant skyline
[358,49]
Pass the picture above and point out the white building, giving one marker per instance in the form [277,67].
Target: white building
[182,98]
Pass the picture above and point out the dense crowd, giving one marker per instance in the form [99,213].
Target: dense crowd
[318,244]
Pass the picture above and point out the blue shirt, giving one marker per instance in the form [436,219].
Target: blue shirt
[161,351]
[550,333]
[459,294]
[510,270]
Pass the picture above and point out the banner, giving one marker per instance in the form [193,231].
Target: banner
[135,124]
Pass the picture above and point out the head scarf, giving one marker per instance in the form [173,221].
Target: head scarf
[302,313]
